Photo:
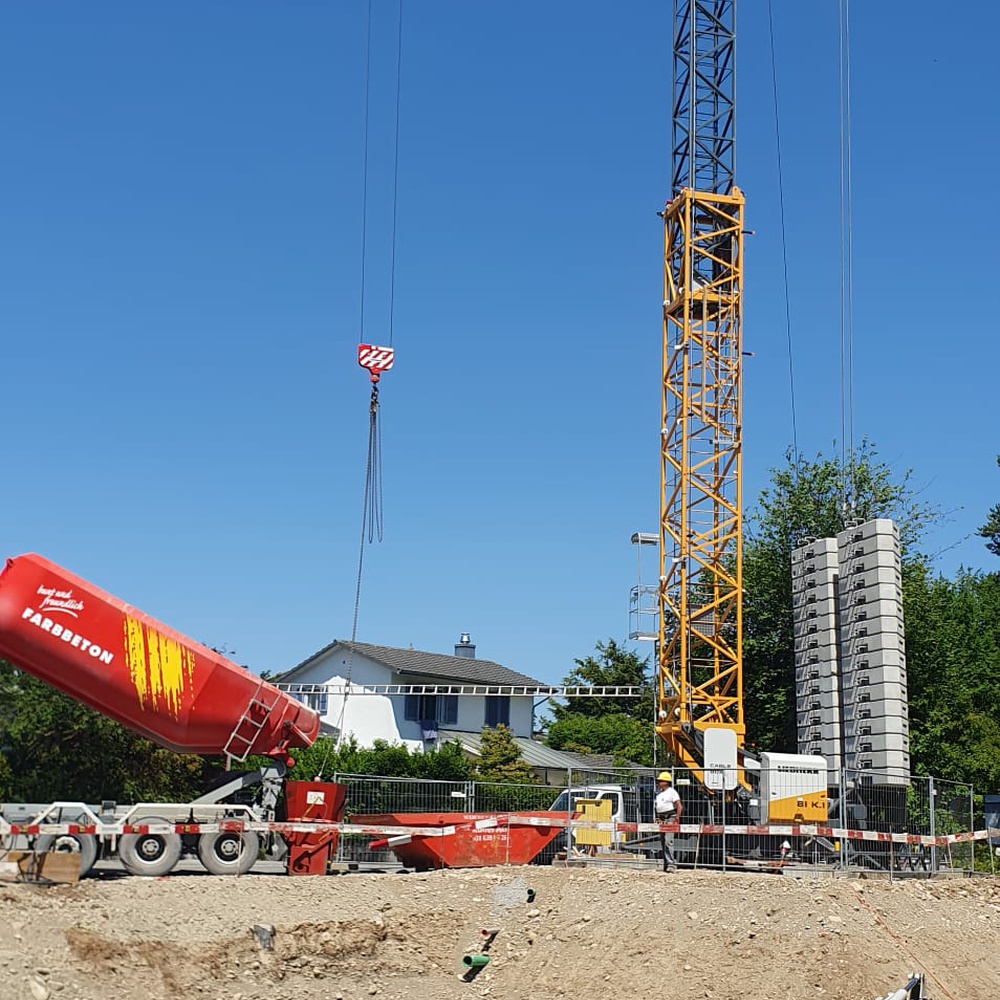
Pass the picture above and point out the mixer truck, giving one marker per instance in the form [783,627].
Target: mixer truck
[172,690]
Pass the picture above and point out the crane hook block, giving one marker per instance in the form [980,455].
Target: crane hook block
[375,359]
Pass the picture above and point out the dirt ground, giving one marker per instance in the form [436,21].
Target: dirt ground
[616,934]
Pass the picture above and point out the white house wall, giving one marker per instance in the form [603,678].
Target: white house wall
[367,717]
[371,717]
[361,669]
[379,717]
[521,721]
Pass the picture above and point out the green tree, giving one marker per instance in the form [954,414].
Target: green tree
[622,727]
[6,777]
[991,529]
[627,739]
[500,759]
[613,666]
[58,748]
[325,759]
[806,498]
[952,652]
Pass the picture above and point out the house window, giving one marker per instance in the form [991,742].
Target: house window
[498,711]
[319,702]
[439,708]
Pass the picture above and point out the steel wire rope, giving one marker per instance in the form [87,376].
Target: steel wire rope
[364,166]
[395,171]
[372,524]
[846,270]
[784,243]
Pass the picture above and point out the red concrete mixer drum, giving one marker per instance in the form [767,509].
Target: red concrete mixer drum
[125,664]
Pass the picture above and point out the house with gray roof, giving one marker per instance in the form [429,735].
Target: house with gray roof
[423,718]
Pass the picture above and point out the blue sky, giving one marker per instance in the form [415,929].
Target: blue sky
[180,232]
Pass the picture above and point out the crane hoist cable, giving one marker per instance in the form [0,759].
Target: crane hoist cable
[366,115]
[846,271]
[375,358]
[784,242]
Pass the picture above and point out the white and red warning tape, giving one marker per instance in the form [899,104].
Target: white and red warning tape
[400,833]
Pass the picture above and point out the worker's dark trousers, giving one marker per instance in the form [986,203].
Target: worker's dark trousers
[666,839]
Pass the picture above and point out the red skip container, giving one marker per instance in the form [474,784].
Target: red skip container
[471,845]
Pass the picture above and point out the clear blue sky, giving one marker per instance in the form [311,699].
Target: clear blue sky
[180,227]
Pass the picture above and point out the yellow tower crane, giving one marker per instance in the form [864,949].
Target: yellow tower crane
[700,647]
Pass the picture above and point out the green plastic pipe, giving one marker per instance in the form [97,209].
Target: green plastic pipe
[475,961]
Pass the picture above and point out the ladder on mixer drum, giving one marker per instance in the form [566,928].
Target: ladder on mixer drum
[251,722]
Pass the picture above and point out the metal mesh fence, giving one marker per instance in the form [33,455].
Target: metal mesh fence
[727,817]
[369,795]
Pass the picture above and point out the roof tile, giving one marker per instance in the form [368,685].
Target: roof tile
[420,663]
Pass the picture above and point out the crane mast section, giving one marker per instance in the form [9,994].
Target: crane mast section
[703,133]
[700,677]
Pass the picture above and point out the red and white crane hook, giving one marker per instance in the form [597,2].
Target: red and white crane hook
[376,359]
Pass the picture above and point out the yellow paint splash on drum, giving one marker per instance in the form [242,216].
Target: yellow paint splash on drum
[135,657]
[160,667]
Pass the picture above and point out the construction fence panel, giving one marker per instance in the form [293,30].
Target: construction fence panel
[373,795]
[626,795]
[491,796]
[953,812]
[864,806]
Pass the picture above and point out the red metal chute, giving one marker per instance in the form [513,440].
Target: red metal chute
[130,667]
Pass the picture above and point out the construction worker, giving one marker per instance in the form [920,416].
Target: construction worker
[668,808]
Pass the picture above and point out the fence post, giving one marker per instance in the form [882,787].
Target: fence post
[725,820]
[972,829]
[842,860]
[931,792]
[571,809]
[338,854]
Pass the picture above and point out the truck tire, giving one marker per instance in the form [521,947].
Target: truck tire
[84,844]
[228,853]
[149,853]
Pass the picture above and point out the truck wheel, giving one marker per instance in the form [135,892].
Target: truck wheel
[84,844]
[149,853]
[228,853]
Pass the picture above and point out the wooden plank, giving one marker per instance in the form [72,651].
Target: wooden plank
[27,866]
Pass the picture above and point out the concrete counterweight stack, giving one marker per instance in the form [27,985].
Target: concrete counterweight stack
[850,662]
[874,706]
[817,682]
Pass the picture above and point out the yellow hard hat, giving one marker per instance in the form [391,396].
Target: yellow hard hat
[664,776]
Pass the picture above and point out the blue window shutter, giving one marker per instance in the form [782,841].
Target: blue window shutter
[448,709]
[411,708]
[498,711]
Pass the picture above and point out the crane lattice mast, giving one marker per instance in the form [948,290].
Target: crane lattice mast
[700,646]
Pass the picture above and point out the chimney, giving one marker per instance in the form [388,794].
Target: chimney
[465,648]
